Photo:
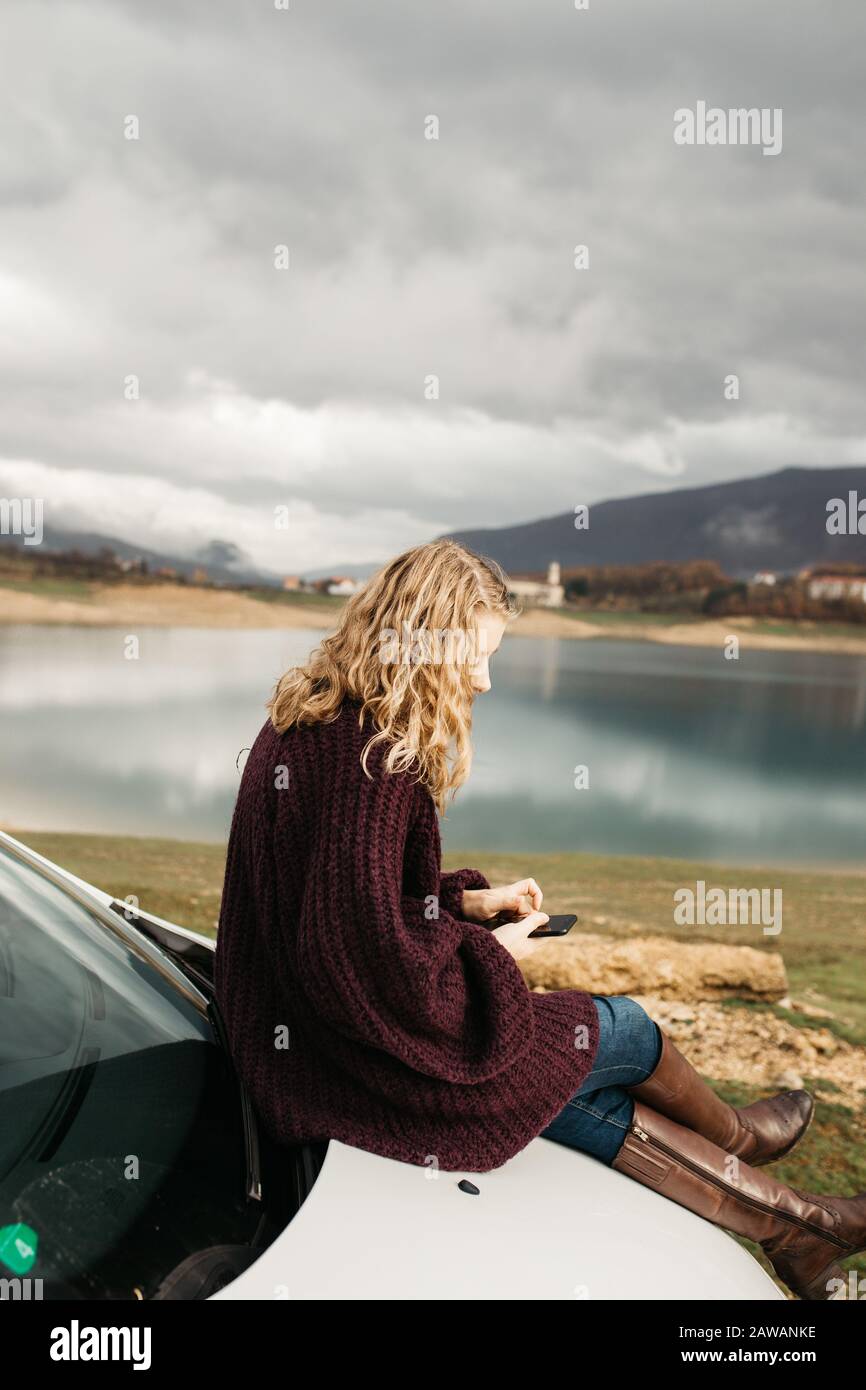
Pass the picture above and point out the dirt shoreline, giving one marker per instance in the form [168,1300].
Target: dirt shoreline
[133,606]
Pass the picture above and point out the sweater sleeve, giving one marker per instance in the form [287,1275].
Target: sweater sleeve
[397,972]
[452,886]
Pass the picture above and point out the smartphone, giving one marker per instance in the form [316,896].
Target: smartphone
[556,926]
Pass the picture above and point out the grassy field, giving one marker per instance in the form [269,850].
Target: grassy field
[50,588]
[91,591]
[823,939]
[28,599]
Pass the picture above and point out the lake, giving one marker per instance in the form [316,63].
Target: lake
[689,755]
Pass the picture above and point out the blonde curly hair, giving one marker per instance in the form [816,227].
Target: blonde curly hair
[405,647]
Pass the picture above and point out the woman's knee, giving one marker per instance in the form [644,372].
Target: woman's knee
[630,1025]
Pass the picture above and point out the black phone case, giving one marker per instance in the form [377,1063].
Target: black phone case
[545,930]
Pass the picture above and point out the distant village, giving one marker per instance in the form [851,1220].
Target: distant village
[340,585]
[818,592]
[820,584]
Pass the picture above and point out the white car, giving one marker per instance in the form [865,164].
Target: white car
[132,1165]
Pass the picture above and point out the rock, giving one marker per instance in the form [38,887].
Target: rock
[658,966]
[762,1049]
[681,1013]
[810,1010]
[788,1081]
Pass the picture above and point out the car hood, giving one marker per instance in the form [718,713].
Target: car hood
[552,1223]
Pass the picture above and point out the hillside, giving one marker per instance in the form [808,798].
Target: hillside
[775,522]
[223,561]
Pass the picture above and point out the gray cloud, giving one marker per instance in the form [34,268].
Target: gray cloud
[411,257]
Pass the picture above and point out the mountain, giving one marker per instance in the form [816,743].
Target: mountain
[775,522]
[224,562]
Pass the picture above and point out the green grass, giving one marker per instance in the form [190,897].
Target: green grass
[800,1020]
[823,936]
[176,879]
[830,1159]
[49,588]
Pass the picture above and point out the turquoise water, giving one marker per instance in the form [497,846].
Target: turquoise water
[761,760]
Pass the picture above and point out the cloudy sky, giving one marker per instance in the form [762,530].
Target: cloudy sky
[411,258]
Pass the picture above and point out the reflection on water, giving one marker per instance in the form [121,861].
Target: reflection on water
[688,754]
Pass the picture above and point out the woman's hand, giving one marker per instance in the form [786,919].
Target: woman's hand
[516,906]
[514,936]
[510,902]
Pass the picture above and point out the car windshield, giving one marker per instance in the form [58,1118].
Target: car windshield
[121,1144]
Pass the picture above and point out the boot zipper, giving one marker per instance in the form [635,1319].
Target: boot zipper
[733,1191]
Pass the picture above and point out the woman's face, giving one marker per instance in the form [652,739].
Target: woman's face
[489,628]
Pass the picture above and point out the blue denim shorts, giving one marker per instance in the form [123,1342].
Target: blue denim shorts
[597,1117]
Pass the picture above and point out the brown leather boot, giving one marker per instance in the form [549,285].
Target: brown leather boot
[758,1133]
[803,1236]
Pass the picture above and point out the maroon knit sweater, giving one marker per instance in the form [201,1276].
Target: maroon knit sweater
[353,1011]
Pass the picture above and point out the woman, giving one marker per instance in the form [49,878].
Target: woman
[370,998]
